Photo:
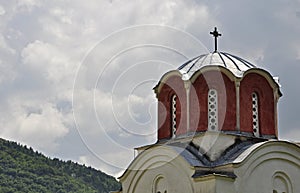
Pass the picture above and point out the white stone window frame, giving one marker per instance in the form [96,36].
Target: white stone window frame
[173,115]
[255,114]
[160,179]
[284,178]
[212,110]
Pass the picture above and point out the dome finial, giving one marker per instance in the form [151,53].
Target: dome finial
[216,34]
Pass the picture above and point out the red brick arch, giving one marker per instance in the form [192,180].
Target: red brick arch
[258,83]
[216,79]
[170,85]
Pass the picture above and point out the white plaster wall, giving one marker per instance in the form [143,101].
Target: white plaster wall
[205,185]
[214,184]
[224,185]
[255,173]
[255,169]
[158,161]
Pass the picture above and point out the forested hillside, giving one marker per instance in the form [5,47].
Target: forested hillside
[24,170]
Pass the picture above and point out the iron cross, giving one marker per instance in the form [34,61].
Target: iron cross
[216,34]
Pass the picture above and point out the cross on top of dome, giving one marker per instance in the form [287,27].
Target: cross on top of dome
[231,62]
[216,34]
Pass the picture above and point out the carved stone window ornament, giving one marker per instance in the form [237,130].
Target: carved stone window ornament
[255,114]
[173,116]
[212,110]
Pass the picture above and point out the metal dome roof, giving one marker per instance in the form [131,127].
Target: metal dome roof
[233,63]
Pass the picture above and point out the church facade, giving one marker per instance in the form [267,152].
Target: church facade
[217,133]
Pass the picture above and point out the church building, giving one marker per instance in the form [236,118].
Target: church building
[217,132]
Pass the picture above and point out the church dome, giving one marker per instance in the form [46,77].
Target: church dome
[202,95]
[233,63]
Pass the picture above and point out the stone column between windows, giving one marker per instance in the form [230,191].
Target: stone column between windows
[187,86]
[237,91]
[276,98]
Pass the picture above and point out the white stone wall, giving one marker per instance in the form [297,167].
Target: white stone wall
[259,171]
[262,168]
[158,163]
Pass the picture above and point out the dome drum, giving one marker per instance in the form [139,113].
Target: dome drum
[232,109]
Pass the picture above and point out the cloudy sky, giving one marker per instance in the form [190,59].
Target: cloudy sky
[76,77]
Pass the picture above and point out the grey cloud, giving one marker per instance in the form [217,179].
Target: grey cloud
[46,42]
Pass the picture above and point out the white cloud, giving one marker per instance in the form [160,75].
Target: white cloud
[112,117]
[7,73]
[62,15]
[47,51]
[43,127]
[37,125]
[121,160]
[28,5]
[48,60]
[42,44]
[5,47]
[298,53]
[291,135]
[2,10]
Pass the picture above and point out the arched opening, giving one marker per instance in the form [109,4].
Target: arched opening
[160,185]
[212,110]
[255,115]
[281,183]
[254,82]
[173,116]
